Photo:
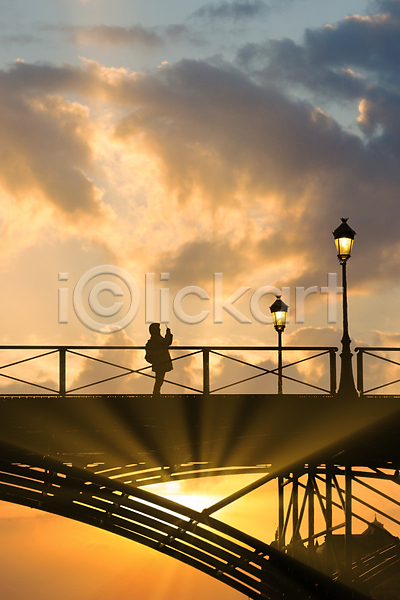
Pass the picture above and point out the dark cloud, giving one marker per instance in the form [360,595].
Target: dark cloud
[200,258]
[380,110]
[385,6]
[370,42]
[344,59]
[236,10]
[355,60]
[285,61]
[21,40]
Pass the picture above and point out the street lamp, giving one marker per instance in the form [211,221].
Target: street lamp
[344,238]
[279,312]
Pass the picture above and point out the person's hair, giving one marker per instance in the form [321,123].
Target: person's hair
[154,328]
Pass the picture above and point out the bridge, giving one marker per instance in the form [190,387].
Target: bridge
[71,446]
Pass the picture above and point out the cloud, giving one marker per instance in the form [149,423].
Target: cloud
[21,40]
[285,61]
[385,6]
[249,172]
[48,167]
[202,257]
[134,36]
[45,142]
[344,60]
[213,128]
[236,10]
[370,42]
[227,149]
[352,64]
[221,137]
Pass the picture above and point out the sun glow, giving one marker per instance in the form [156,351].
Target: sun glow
[201,493]
[193,494]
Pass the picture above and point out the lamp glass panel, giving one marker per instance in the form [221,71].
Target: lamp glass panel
[343,247]
[279,319]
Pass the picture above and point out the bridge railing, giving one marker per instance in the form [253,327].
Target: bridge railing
[378,372]
[52,378]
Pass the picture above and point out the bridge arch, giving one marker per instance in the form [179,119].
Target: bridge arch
[219,550]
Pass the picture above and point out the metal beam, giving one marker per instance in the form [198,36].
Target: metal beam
[348,533]
[235,558]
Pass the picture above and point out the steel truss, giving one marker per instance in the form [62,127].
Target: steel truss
[321,489]
[227,554]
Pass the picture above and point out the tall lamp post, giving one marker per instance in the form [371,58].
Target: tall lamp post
[279,312]
[344,238]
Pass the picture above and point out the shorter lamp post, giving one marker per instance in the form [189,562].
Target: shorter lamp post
[344,238]
[279,312]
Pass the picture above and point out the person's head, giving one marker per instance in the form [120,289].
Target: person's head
[154,329]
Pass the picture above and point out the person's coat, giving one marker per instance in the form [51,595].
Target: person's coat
[157,352]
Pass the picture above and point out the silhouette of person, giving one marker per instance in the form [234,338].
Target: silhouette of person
[157,354]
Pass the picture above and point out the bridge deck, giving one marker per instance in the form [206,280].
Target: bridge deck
[188,435]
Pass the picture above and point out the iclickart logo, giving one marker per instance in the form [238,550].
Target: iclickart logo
[88,300]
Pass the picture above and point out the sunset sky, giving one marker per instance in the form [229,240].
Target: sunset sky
[188,137]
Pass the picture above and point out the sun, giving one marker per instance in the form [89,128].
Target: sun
[191,493]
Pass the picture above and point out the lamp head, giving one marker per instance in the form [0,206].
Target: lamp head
[344,238]
[279,312]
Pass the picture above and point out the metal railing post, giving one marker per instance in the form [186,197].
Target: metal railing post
[280,390]
[62,371]
[360,371]
[332,365]
[206,371]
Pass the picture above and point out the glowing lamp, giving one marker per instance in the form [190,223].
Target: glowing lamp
[344,238]
[279,312]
